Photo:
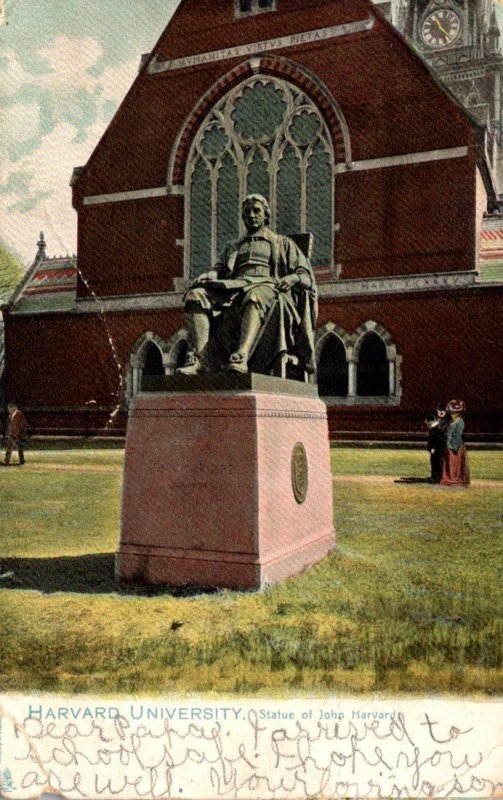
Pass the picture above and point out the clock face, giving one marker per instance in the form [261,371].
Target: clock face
[441,28]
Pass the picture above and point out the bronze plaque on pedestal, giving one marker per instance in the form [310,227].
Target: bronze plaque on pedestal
[299,472]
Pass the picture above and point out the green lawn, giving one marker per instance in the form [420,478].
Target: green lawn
[411,600]
[484,464]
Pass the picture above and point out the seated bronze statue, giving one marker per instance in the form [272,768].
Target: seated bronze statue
[261,283]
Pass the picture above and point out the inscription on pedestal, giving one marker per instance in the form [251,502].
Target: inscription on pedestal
[299,472]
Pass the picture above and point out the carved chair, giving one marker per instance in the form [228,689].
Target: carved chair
[287,365]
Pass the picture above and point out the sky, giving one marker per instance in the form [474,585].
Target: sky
[65,66]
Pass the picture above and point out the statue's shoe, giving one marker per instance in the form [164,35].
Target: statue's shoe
[238,363]
[192,367]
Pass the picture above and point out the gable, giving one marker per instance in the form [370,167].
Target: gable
[350,49]
[50,285]
[404,152]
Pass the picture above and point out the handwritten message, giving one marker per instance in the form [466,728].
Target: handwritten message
[250,749]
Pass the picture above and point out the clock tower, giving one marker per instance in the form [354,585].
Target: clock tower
[460,40]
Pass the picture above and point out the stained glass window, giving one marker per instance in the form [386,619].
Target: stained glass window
[227,202]
[265,136]
[200,229]
[319,201]
[288,212]
[257,177]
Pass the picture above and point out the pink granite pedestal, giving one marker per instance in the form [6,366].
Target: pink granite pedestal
[214,485]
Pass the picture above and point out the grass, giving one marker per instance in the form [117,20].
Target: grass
[484,465]
[411,600]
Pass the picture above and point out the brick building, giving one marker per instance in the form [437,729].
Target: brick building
[294,100]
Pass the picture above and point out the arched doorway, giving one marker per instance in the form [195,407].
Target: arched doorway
[332,368]
[372,372]
[152,364]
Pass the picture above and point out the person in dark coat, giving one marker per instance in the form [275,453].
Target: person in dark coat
[436,446]
[17,432]
[443,416]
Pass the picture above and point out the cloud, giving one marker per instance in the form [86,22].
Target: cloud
[27,116]
[37,195]
[70,59]
[67,90]
[13,76]
[17,184]
[63,73]
[47,137]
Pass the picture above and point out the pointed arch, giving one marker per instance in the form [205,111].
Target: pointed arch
[138,351]
[172,354]
[138,360]
[332,329]
[377,364]
[176,351]
[274,66]
[269,135]
[331,349]
[374,327]
[332,341]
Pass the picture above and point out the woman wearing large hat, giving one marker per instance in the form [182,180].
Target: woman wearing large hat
[455,470]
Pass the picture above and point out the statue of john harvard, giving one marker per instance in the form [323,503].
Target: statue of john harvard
[260,280]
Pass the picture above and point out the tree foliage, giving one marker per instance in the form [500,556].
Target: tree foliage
[11,272]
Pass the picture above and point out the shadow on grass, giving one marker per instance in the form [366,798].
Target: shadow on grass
[77,443]
[413,480]
[89,574]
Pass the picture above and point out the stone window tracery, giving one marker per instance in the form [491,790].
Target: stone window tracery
[265,136]
[146,359]
[151,355]
[362,368]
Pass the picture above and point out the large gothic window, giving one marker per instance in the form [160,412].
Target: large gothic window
[264,136]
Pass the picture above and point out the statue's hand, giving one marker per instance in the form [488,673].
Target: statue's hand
[288,282]
[212,275]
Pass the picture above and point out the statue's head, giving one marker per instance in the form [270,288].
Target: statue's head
[254,201]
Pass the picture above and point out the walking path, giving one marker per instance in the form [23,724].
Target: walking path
[397,481]
[39,466]
[384,480]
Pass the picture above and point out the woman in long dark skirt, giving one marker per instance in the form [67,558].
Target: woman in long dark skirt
[455,471]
